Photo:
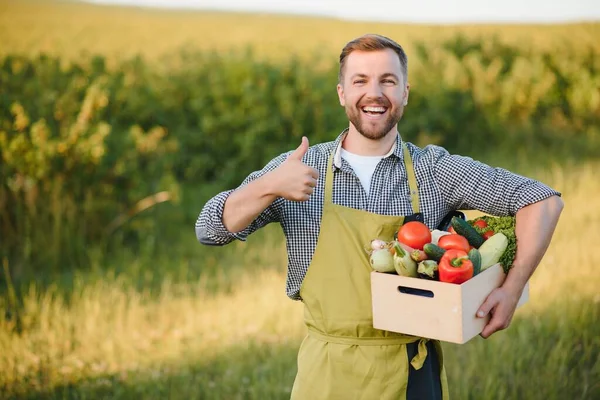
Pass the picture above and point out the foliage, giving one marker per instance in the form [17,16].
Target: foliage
[82,143]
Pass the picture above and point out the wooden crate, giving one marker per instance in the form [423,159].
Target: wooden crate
[432,309]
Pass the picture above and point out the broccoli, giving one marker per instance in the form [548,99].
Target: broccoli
[506,225]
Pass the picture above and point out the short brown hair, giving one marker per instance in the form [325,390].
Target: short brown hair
[372,42]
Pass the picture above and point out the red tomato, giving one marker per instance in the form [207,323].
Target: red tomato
[480,224]
[451,230]
[414,234]
[488,234]
[454,242]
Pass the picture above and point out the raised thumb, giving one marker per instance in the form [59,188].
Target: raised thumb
[301,150]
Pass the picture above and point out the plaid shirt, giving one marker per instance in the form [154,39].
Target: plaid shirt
[446,183]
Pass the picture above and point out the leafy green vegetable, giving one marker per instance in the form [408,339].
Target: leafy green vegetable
[506,225]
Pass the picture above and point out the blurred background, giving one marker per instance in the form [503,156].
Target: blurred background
[119,120]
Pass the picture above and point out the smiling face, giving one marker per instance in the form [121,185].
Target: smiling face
[373,90]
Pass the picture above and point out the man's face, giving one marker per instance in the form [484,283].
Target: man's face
[373,92]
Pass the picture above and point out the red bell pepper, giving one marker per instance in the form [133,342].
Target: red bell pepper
[455,267]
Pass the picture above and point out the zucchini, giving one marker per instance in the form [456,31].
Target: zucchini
[433,251]
[492,250]
[463,228]
[403,263]
[475,257]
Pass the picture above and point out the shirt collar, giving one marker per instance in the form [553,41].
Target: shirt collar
[337,156]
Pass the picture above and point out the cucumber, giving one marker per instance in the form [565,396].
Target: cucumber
[433,251]
[463,228]
[475,258]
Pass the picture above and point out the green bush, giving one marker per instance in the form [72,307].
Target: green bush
[86,149]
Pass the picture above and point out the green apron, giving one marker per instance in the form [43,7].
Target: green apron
[343,356]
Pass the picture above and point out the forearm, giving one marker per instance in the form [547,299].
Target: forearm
[246,203]
[535,225]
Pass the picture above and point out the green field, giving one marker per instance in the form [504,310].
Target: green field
[141,310]
[71,29]
[232,334]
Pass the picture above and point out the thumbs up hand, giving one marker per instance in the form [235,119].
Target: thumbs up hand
[294,180]
[300,151]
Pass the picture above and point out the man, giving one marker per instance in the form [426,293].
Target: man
[332,198]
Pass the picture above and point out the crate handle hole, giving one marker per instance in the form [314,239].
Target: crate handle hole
[415,291]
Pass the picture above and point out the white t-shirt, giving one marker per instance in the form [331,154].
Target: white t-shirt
[363,166]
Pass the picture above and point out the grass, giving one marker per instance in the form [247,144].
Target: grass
[193,322]
[231,333]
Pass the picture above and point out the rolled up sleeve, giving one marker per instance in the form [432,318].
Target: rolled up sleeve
[210,229]
[468,184]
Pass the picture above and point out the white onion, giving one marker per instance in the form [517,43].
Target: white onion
[378,244]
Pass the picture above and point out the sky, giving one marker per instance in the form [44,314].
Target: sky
[417,11]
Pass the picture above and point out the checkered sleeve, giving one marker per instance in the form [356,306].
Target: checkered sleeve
[468,184]
[210,229]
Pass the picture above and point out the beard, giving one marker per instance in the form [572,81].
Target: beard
[374,130]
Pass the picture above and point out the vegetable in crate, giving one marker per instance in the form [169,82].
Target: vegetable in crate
[506,226]
[475,257]
[455,267]
[433,251]
[492,250]
[415,254]
[377,244]
[481,224]
[487,234]
[414,234]
[463,228]
[418,255]
[382,260]
[428,269]
[403,263]
[436,234]
[454,241]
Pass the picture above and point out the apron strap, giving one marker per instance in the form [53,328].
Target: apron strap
[417,361]
[412,180]
[410,171]
[419,358]
[328,195]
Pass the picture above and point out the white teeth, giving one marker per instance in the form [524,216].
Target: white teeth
[374,109]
